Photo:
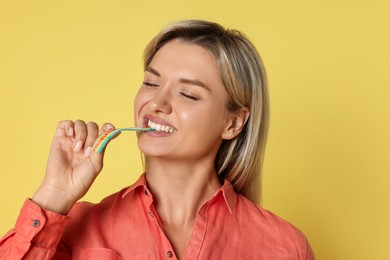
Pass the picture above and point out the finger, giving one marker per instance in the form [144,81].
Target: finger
[80,132]
[106,127]
[104,131]
[92,133]
[111,128]
[66,127]
[97,159]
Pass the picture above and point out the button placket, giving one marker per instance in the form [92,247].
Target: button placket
[148,198]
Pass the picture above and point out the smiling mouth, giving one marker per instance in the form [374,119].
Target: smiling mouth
[159,127]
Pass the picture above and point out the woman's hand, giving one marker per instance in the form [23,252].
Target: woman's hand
[72,165]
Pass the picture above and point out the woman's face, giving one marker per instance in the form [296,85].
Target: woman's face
[183,97]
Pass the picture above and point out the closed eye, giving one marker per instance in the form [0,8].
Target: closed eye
[150,84]
[189,96]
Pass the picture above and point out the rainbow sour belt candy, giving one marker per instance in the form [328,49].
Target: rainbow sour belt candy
[103,139]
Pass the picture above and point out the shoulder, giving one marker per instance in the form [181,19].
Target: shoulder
[261,217]
[90,223]
[267,228]
[90,216]
[108,203]
[112,208]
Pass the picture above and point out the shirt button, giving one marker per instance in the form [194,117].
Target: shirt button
[36,223]
[169,254]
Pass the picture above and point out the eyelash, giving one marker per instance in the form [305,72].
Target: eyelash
[150,84]
[189,96]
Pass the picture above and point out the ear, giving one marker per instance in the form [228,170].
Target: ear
[236,123]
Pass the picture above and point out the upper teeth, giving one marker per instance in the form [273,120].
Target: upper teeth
[161,128]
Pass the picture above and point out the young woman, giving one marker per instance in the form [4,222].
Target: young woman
[205,93]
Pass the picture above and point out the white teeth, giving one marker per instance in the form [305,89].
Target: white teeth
[161,128]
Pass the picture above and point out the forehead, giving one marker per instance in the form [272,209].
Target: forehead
[187,55]
[184,62]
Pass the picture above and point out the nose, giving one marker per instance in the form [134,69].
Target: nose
[161,101]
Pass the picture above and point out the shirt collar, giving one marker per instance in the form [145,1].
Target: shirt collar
[141,182]
[227,191]
[229,195]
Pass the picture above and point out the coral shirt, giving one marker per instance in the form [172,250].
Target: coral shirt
[126,225]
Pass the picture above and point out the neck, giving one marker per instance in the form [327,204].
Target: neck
[180,189]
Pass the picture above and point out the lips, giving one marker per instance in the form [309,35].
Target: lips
[159,124]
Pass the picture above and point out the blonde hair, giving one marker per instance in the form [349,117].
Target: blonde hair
[239,160]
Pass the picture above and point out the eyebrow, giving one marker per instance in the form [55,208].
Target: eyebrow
[185,81]
[153,71]
[195,83]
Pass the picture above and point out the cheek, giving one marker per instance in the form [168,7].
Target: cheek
[136,103]
[186,116]
[139,102]
[201,119]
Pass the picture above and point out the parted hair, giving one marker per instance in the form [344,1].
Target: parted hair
[239,160]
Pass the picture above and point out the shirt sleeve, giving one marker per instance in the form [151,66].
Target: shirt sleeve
[36,235]
[307,252]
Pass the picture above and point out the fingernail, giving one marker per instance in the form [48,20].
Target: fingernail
[87,152]
[70,131]
[109,127]
[77,146]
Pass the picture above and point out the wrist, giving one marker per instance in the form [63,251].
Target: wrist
[53,200]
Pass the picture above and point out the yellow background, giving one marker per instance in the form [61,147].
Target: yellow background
[327,163]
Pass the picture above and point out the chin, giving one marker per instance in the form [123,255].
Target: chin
[150,150]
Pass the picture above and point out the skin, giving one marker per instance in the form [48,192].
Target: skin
[181,172]
[72,166]
[183,89]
